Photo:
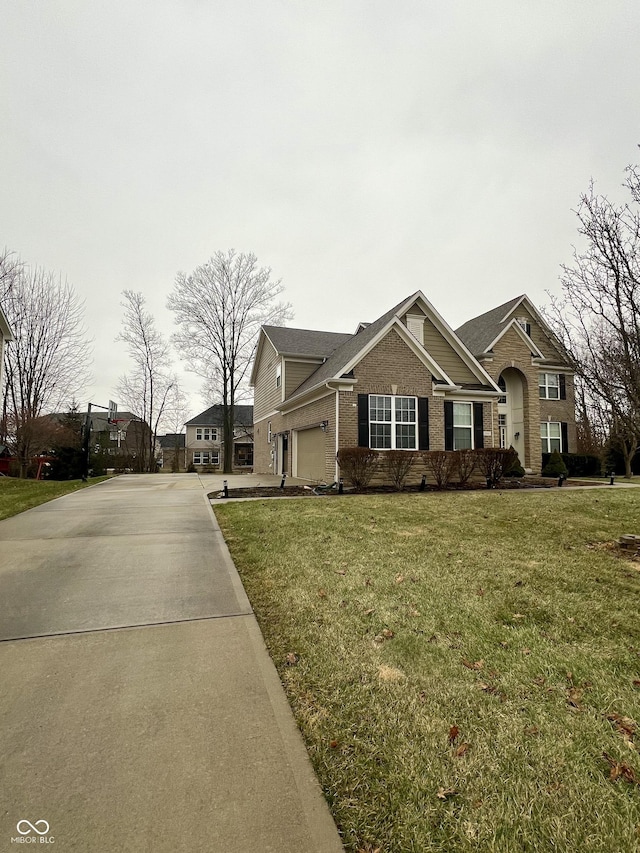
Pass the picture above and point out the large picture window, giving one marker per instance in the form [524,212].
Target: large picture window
[204,457]
[393,422]
[551,435]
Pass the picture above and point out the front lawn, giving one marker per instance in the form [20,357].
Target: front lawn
[465,668]
[17,495]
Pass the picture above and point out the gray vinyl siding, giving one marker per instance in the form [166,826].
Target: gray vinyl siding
[295,373]
[266,397]
[445,356]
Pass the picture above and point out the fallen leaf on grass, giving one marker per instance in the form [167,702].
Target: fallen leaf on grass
[620,770]
[487,688]
[422,696]
[532,730]
[368,612]
[477,665]
[574,697]
[339,572]
[454,731]
[445,793]
[400,578]
[322,593]
[636,682]
[518,616]
[462,750]
[625,726]
[387,634]
[334,744]
[292,659]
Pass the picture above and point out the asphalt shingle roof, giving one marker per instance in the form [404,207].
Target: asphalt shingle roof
[172,440]
[213,416]
[335,364]
[477,334]
[304,342]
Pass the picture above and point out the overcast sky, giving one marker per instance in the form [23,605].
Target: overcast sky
[361,149]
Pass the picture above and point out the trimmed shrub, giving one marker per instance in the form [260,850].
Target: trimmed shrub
[493,462]
[398,464]
[442,464]
[465,462]
[358,465]
[516,469]
[555,467]
[580,464]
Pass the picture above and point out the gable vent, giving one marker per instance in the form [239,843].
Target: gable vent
[416,327]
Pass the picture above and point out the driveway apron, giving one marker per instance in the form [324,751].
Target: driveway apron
[138,706]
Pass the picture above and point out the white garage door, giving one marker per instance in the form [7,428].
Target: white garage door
[311,454]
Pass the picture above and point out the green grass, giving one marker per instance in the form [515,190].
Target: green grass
[512,619]
[17,495]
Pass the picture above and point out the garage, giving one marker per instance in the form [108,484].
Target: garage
[310,454]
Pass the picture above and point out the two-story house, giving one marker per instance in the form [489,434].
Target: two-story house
[408,381]
[203,439]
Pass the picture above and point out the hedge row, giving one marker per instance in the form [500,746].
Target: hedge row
[358,465]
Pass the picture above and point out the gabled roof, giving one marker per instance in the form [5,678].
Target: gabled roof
[243,416]
[344,357]
[304,342]
[480,332]
[337,363]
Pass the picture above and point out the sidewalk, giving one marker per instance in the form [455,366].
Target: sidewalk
[141,710]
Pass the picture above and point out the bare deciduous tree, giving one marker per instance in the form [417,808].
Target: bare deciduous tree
[146,390]
[598,316]
[219,309]
[10,269]
[47,363]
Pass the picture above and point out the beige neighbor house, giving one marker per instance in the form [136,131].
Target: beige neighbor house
[203,440]
[408,381]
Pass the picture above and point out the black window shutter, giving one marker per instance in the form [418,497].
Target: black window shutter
[363,420]
[478,426]
[565,437]
[563,387]
[423,423]
[448,425]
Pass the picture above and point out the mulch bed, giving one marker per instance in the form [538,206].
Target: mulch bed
[307,491]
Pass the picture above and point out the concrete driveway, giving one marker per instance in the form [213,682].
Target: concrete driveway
[139,708]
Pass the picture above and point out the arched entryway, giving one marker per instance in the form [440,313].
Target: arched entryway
[511,412]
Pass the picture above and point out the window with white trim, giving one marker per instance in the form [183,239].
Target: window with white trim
[205,457]
[269,432]
[206,434]
[551,435]
[278,375]
[393,422]
[549,385]
[462,426]
[502,427]
[524,323]
[416,327]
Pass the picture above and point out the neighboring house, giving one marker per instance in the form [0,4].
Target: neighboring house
[172,452]
[125,441]
[204,447]
[5,337]
[408,381]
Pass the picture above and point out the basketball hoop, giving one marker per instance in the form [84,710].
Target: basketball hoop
[113,412]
